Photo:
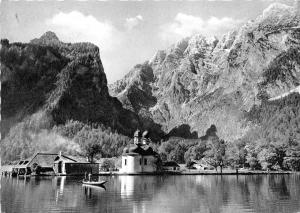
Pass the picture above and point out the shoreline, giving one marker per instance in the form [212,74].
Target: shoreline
[7,172]
[167,174]
[200,173]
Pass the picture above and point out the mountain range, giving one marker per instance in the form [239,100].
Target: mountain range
[202,81]
[243,83]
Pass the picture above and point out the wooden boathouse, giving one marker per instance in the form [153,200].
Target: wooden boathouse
[51,164]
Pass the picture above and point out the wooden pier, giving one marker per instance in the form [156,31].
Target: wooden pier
[15,170]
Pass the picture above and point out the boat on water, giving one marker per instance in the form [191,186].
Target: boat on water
[93,183]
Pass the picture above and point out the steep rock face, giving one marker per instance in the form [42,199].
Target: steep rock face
[47,82]
[202,81]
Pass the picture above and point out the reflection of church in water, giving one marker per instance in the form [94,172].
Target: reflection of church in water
[133,188]
[139,157]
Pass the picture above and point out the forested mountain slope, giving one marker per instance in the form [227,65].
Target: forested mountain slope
[46,83]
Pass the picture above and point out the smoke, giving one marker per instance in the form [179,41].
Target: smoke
[35,134]
[50,141]
[43,138]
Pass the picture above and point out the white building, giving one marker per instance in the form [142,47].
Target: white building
[139,157]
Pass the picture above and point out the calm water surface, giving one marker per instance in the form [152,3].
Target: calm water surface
[163,194]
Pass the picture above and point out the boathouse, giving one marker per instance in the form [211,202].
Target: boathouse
[54,164]
[39,163]
[64,165]
[139,157]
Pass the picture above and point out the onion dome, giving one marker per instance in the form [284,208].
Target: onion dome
[137,133]
[145,134]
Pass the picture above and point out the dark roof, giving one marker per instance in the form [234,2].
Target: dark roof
[63,157]
[43,159]
[170,163]
[138,150]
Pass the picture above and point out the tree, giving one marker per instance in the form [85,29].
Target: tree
[108,164]
[177,154]
[165,149]
[173,150]
[71,128]
[90,142]
[252,152]
[236,154]
[221,151]
[292,159]
[195,152]
[267,158]
[215,155]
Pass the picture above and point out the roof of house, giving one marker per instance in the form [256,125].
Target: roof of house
[79,158]
[64,158]
[170,164]
[42,159]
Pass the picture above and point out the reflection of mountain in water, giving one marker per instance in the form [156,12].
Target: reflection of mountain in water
[273,193]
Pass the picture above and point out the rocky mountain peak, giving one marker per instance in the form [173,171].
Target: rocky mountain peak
[49,35]
[158,57]
[277,10]
[277,17]
[200,81]
[198,42]
[48,38]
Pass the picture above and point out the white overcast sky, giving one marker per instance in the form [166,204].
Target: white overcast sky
[126,32]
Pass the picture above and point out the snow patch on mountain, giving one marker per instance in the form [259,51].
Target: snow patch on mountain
[295,90]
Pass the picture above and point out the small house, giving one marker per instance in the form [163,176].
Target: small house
[202,165]
[170,166]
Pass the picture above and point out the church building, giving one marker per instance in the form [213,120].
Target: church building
[139,157]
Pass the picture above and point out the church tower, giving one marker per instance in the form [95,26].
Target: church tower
[137,137]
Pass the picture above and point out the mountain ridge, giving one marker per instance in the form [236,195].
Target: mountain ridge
[195,76]
[181,91]
[47,83]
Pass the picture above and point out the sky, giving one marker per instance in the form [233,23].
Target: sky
[126,32]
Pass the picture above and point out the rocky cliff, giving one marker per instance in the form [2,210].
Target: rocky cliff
[202,81]
[47,82]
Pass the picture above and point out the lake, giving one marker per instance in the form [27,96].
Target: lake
[162,194]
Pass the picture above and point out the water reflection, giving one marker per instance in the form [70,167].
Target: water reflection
[257,193]
[58,183]
[127,186]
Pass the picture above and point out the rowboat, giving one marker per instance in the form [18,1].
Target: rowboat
[94,183]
